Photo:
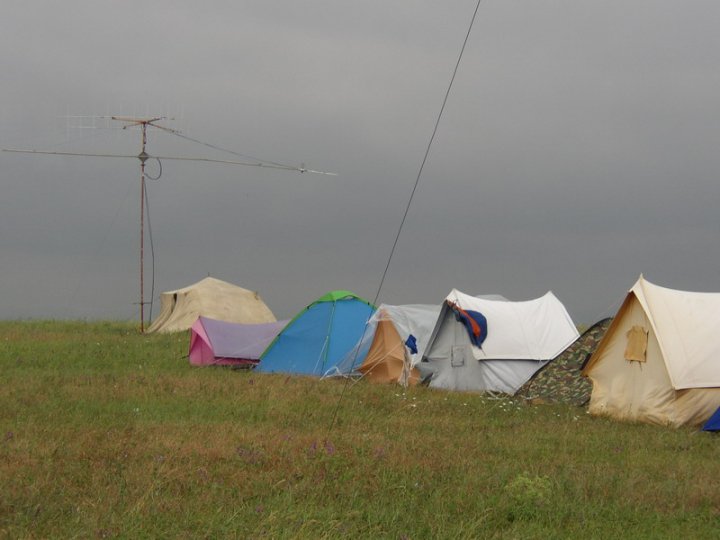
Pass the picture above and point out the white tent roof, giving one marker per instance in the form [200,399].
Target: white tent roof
[687,326]
[212,298]
[521,337]
[538,329]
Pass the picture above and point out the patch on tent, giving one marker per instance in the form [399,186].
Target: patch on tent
[411,343]
[559,381]
[457,358]
[636,349]
[475,323]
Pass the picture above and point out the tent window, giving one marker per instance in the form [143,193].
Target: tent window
[458,356]
[636,349]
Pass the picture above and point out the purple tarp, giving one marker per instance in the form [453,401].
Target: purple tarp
[214,342]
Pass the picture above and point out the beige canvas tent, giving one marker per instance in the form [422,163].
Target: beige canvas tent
[659,361]
[211,298]
[389,359]
[386,360]
[394,338]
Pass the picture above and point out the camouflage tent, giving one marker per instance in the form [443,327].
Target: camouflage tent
[559,381]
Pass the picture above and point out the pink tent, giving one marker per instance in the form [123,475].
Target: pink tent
[214,342]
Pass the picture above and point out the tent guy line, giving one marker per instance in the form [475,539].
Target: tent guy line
[414,190]
[427,152]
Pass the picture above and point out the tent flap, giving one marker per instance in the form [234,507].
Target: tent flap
[226,343]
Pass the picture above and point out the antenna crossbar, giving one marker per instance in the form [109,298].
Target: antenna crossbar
[146,156]
[143,156]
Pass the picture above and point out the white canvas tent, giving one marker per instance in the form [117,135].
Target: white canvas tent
[659,361]
[521,338]
[211,298]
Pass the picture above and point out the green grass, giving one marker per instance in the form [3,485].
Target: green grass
[105,433]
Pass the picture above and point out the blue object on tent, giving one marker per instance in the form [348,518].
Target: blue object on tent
[713,424]
[319,337]
[475,323]
[411,343]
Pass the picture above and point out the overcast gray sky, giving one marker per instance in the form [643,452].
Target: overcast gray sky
[579,148]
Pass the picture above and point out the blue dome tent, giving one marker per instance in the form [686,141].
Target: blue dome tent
[319,336]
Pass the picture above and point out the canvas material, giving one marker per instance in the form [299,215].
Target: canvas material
[686,325]
[211,298]
[537,329]
[387,360]
[636,347]
[522,337]
[642,391]
[386,357]
[450,362]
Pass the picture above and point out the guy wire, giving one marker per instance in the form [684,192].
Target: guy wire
[410,200]
[219,148]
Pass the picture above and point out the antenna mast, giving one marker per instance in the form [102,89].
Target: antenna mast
[143,156]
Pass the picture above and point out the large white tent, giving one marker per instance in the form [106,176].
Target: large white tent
[212,298]
[520,338]
[659,361]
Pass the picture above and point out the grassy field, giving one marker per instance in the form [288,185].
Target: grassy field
[105,433]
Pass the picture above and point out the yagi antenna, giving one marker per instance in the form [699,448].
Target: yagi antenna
[143,156]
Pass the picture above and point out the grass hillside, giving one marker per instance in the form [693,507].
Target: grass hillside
[105,433]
